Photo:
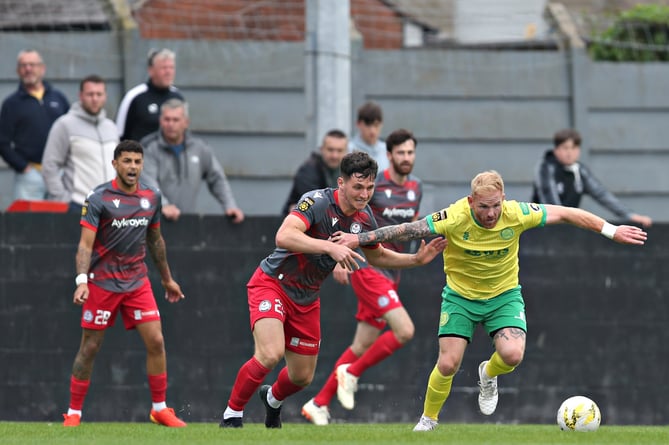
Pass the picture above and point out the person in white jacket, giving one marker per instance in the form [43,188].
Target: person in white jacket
[80,147]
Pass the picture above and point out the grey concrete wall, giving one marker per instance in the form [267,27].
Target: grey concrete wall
[471,110]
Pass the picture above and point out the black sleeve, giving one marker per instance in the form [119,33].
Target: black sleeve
[545,185]
[307,178]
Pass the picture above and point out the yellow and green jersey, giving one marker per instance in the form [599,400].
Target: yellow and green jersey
[482,263]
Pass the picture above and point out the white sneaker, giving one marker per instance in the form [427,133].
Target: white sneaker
[347,385]
[488,394]
[425,424]
[318,415]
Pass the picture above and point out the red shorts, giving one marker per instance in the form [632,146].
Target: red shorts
[301,324]
[376,293]
[137,306]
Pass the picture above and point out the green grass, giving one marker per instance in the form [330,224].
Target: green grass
[25,433]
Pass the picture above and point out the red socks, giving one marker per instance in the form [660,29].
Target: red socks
[158,387]
[283,387]
[249,378]
[383,347]
[328,391]
[78,390]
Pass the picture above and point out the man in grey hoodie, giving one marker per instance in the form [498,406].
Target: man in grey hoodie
[80,147]
[178,162]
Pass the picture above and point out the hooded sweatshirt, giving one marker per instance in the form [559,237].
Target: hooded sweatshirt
[78,154]
[555,183]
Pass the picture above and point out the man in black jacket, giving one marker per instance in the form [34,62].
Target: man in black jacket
[320,170]
[139,111]
[561,179]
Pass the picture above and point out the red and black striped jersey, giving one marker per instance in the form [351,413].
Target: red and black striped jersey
[392,204]
[302,274]
[121,222]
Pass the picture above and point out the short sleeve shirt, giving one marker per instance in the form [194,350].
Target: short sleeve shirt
[483,263]
[301,274]
[121,222]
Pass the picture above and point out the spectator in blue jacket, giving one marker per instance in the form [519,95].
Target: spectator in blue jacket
[26,117]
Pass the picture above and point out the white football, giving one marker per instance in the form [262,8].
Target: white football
[579,413]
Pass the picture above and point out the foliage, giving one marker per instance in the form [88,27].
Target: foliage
[640,34]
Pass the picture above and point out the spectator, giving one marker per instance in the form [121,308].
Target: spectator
[283,293]
[122,222]
[177,162]
[396,200]
[139,111]
[25,119]
[369,123]
[80,147]
[561,179]
[321,170]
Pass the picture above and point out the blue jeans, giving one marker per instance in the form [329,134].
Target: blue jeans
[29,185]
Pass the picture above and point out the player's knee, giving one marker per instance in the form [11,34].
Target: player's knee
[301,375]
[269,358]
[88,351]
[359,346]
[405,333]
[513,357]
[447,367]
[155,344]
[90,347]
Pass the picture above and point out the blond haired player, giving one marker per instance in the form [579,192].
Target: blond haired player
[483,232]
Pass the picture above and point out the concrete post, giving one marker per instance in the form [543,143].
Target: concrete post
[327,69]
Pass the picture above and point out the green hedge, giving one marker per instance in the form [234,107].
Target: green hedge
[640,34]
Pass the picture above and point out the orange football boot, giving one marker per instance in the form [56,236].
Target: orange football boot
[166,417]
[71,420]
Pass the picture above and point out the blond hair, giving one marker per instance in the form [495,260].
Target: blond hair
[487,181]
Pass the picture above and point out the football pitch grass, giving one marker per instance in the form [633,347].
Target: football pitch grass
[26,433]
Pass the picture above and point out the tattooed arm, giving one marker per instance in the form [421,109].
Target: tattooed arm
[399,232]
[83,263]
[156,245]
[85,250]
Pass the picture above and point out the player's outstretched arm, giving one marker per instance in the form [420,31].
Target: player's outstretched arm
[399,232]
[389,259]
[622,234]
